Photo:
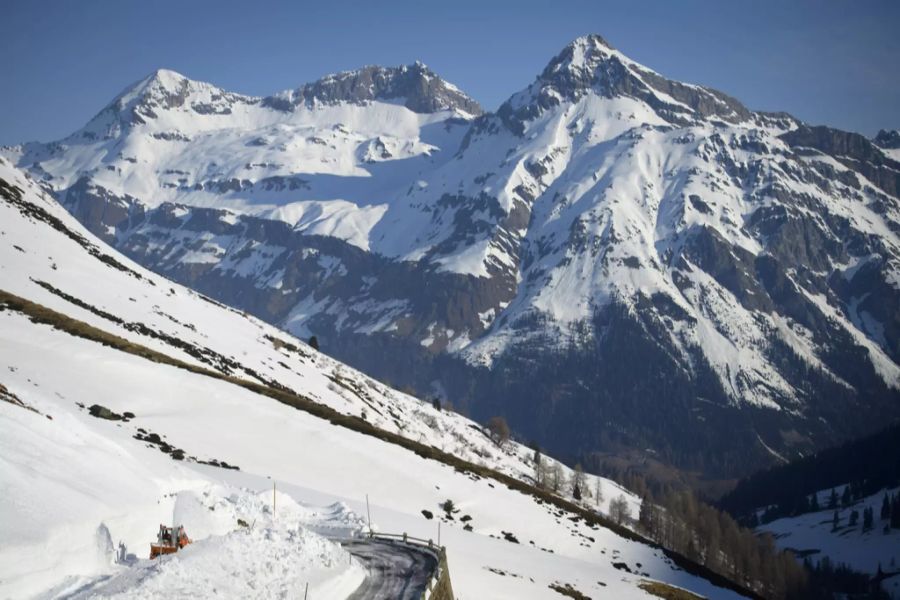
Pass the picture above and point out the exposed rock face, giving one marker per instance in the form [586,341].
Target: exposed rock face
[612,260]
[853,150]
[421,90]
[888,139]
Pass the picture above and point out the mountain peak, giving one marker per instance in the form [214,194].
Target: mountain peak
[161,90]
[591,39]
[889,139]
[420,88]
[161,82]
[582,57]
[590,65]
[166,78]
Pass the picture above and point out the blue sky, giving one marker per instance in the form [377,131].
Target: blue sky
[827,62]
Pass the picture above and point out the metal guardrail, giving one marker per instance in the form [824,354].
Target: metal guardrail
[439,587]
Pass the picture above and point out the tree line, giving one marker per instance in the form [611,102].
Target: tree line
[889,515]
[868,464]
[710,537]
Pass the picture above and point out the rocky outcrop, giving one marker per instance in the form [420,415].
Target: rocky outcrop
[421,90]
[888,139]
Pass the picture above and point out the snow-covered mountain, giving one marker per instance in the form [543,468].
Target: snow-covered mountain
[172,375]
[643,262]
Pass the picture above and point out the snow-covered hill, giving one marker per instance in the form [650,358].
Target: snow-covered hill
[81,486]
[643,260]
[813,534]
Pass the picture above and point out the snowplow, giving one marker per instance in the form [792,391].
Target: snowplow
[169,540]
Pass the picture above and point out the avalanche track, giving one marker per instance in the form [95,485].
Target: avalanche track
[396,571]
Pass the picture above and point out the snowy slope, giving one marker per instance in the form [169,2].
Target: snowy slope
[218,337]
[814,534]
[170,139]
[75,486]
[751,261]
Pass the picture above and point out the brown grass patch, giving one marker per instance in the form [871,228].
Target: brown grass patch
[668,592]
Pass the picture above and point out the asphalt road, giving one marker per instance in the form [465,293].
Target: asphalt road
[396,571]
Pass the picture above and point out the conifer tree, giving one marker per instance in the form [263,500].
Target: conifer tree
[577,482]
[895,512]
[645,518]
[846,498]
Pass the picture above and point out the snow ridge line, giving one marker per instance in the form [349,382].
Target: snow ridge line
[38,313]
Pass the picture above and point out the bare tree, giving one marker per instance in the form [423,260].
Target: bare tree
[598,493]
[499,430]
[540,470]
[619,510]
[556,477]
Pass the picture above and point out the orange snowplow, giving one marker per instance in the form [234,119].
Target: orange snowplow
[169,540]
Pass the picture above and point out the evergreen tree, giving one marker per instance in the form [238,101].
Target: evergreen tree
[832,500]
[598,493]
[885,508]
[835,521]
[753,522]
[895,512]
[436,403]
[814,503]
[645,516]
[854,517]
[314,343]
[578,482]
[846,498]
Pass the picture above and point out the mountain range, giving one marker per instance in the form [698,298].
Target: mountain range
[611,259]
